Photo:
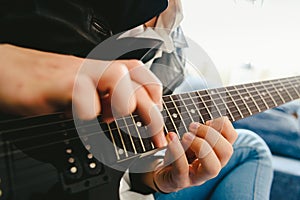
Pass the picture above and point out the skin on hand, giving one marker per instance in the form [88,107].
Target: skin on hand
[209,148]
[34,82]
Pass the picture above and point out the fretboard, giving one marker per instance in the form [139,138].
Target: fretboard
[235,102]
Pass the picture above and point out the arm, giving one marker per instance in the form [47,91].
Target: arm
[35,82]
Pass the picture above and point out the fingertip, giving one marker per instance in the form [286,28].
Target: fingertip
[172,136]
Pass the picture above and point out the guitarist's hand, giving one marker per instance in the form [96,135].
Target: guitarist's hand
[209,148]
[35,82]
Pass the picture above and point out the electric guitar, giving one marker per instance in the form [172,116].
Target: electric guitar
[45,157]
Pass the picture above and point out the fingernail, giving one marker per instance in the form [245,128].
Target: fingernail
[194,126]
[188,136]
[171,136]
[208,123]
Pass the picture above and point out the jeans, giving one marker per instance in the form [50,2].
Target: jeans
[248,174]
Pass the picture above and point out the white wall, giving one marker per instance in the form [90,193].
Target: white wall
[233,32]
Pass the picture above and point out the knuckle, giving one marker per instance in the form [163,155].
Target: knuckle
[136,63]
[119,69]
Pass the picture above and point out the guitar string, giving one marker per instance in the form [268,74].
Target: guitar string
[21,152]
[253,87]
[69,120]
[13,130]
[122,127]
[31,148]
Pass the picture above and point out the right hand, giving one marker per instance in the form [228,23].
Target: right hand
[35,82]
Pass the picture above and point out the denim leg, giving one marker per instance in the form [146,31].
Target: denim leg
[248,174]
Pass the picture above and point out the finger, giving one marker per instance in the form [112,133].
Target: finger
[85,98]
[209,166]
[225,127]
[151,116]
[150,82]
[176,175]
[140,74]
[112,78]
[223,149]
[117,84]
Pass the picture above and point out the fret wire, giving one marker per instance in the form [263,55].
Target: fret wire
[294,86]
[243,100]
[130,136]
[261,97]
[275,90]
[204,103]
[289,81]
[278,93]
[138,132]
[179,114]
[284,83]
[121,138]
[196,108]
[212,100]
[263,85]
[295,92]
[114,143]
[186,108]
[171,118]
[234,102]
[258,108]
[226,106]
[284,88]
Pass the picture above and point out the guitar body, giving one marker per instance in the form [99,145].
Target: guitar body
[59,167]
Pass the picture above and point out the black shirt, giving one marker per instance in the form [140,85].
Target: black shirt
[71,26]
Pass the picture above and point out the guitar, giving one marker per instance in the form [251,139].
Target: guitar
[44,157]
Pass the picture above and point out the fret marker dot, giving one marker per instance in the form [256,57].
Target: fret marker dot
[73,170]
[120,151]
[174,115]
[192,111]
[68,151]
[71,160]
[92,165]
[212,92]
[263,93]
[90,156]
[139,124]
[246,98]
[280,89]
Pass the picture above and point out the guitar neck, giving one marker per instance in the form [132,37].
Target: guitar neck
[128,135]
[235,102]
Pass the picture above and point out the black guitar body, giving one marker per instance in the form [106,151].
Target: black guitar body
[44,163]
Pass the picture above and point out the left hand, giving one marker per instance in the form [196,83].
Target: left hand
[209,148]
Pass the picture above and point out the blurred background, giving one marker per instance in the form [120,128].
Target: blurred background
[256,39]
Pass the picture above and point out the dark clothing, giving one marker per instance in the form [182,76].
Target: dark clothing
[71,26]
